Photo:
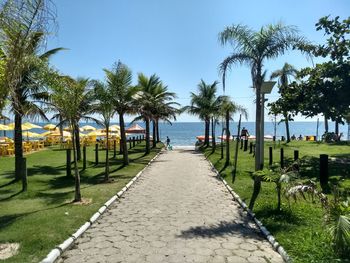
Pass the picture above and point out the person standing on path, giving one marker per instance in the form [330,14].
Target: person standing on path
[167,142]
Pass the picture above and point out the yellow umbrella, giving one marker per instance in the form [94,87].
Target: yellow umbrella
[47,133]
[33,135]
[5,128]
[57,133]
[32,125]
[88,128]
[115,126]
[50,127]
[97,133]
[24,127]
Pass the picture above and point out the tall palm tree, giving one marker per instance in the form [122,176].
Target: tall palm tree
[68,97]
[203,105]
[228,109]
[167,112]
[150,89]
[118,81]
[26,94]
[104,106]
[283,75]
[254,48]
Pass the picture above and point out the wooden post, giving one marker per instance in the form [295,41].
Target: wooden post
[270,156]
[69,162]
[282,158]
[324,171]
[24,174]
[245,148]
[114,149]
[296,155]
[129,143]
[84,157]
[133,141]
[250,147]
[96,154]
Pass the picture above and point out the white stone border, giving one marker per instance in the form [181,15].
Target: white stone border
[276,246]
[58,250]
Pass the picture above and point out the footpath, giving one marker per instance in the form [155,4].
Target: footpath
[178,211]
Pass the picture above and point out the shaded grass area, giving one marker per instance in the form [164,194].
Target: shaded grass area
[299,227]
[44,216]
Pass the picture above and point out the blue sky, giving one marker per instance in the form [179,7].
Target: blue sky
[176,39]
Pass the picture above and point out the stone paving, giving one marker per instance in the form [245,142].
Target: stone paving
[178,211]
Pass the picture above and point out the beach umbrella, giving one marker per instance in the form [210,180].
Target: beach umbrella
[45,134]
[115,126]
[88,128]
[135,129]
[24,127]
[50,127]
[32,125]
[5,128]
[33,135]
[57,134]
[97,133]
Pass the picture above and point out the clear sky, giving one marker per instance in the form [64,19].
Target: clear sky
[177,39]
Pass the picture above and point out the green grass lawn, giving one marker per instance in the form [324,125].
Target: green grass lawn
[299,228]
[44,216]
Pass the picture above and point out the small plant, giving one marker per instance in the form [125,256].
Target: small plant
[279,176]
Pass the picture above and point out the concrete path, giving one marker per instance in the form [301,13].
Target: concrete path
[178,211]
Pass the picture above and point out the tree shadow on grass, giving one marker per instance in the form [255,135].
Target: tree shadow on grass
[9,183]
[54,198]
[218,230]
[45,169]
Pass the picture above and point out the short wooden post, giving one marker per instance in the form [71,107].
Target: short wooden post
[250,147]
[84,157]
[129,143]
[114,149]
[96,153]
[324,171]
[68,162]
[245,148]
[282,158]
[270,156]
[133,141]
[296,155]
[24,174]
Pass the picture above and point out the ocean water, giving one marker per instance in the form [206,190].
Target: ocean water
[184,133]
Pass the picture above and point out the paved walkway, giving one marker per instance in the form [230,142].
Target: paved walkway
[178,211]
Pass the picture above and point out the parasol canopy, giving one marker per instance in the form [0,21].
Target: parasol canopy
[32,125]
[33,135]
[4,127]
[88,128]
[24,127]
[50,127]
[135,129]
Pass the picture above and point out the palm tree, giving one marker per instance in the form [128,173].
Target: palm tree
[228,109]
[150,89]
[104,106]
[283,76]
[253,48]
[67,97]
[203,105]
[118,81]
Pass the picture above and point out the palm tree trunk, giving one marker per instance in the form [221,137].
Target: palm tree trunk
[258,160]
[213,142]
[18,147]
[336,128]
[107,157]
[206,133]
[326,123]
[123,146]
[77,195]
[286,118]
[147,136]
[157,128]
[222,141]
[61,128]
[227,162]
[154,143]
[77,141]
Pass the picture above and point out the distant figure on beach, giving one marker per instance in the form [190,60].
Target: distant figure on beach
[244,133]
[167,141]
[293,137]
[300,138]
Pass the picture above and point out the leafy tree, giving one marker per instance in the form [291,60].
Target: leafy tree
[254,48]
[281,106]
[325,87]
[119,80]
[104,107]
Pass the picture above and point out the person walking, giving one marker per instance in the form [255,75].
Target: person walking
[168,143]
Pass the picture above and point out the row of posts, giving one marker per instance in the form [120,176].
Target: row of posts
[323,163]
[131,141]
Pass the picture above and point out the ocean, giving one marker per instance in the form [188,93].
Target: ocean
[184,133]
